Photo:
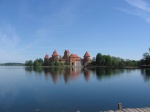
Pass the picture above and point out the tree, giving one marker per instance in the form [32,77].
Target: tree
[108,60]
[93,61]
[29,63]
[26,63]
[46,62]
[146,57]
[36,63]
[103,59]
[41,62]
[67,61]
[99,59]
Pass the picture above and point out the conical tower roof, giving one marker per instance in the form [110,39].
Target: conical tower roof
[67,51]
[55,53]
[46,56]
[86,54]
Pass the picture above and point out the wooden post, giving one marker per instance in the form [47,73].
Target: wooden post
[119,106]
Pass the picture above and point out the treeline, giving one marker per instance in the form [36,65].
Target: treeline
[145,61]
[12,64]
[107,60]
[37,62]
[40,62]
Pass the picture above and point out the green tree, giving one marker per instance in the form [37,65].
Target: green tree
[29,63]
[93,61]
[67,61]
[146,57]
[41,62]
[36,63]
[26,63]
[99,59]
[46,62]
[108,60]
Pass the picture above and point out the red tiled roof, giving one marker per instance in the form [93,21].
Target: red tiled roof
[55,53]
[86,54]
[46,56]
[74,56]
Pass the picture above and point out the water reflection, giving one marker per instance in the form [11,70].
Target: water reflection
[73,73]
[21,88]
[28,69]
[107,73]
[146,74]
[87,74]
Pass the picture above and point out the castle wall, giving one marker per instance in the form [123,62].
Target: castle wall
[77,63]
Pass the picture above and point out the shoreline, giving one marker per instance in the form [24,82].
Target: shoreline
[90,67]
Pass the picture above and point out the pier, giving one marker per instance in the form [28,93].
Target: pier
[147,109]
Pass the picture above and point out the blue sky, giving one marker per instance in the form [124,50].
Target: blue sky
[29,29]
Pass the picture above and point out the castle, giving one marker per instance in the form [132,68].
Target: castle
[72,60]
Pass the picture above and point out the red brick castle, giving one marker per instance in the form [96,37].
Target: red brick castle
[72,60]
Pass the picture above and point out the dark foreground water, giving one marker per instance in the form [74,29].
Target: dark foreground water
[72,90]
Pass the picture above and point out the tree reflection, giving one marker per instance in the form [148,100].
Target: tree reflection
[28,69]
[38,69]
[107,72]
[146,74]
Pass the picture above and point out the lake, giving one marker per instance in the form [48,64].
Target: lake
[25,89]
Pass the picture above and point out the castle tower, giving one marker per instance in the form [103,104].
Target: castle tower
[66,55]
[86,58]
[46,60]
[55,56]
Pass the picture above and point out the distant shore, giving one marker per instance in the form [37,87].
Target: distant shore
[11,64]
[67,66]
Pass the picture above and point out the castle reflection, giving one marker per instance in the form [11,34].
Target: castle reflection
[67,73]
[70,74]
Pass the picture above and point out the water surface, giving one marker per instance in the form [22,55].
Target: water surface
[24,89]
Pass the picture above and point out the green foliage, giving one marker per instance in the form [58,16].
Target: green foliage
[51,64]
[46,62]
[12,64]
[41,62]
[29,63]
[107,60]
[56,63]
[99,59]
[38,62]
[146,59]
[93,62]
[67,61]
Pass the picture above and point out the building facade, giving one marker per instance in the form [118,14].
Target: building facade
[67,59]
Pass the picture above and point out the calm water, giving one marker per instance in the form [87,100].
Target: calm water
[72,90]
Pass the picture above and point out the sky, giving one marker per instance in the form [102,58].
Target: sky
[30,29]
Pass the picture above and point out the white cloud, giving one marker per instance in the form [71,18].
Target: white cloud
[139,8]
[140,4]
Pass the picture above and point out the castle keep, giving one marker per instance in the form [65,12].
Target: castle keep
[72,60]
